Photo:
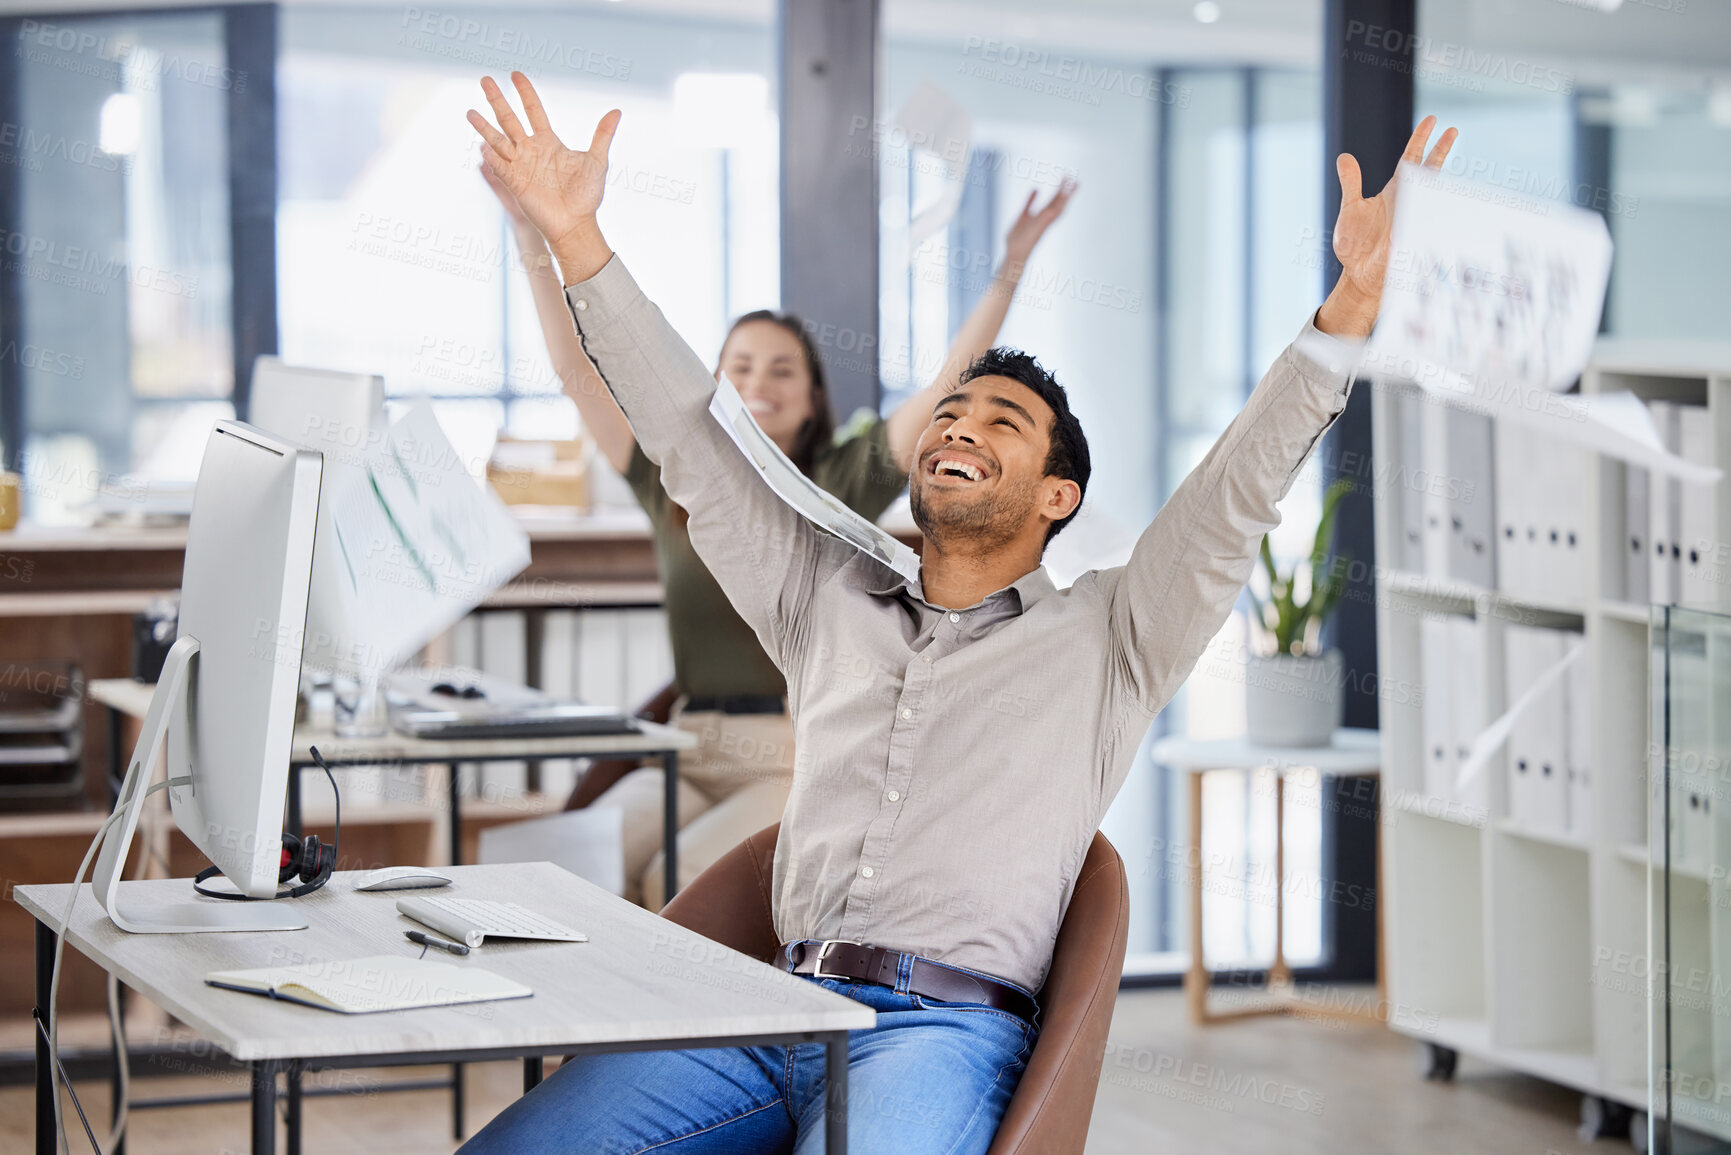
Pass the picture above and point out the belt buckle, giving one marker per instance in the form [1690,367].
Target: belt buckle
[823,952]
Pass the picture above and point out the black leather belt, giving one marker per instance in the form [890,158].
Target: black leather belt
[834,959]
[738,704]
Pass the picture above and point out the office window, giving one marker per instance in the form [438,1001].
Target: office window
[120,248]
[1242,273]
[1623,112]
[395,258]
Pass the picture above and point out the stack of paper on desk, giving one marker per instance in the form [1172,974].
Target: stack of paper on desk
[378,983]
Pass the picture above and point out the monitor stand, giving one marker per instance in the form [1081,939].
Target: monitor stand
[162,917]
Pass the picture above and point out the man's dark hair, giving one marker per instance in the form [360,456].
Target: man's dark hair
[1068,455]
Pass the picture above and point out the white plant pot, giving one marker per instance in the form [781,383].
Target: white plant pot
[1293,701]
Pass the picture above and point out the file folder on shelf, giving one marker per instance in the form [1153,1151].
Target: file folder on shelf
[1472,522]
[1434,431]
[1466,706]
[1436,712]
[1409,406]
[1637,576]
[1459,516]
[1578,705]
[1537,756]
[1695,512]
[1693,774]
[1663,497]
[1515,527]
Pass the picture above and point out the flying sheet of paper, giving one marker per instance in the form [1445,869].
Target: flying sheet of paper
[418,544]
[933,123]
[1496,287]
[1492,303]
[799,491]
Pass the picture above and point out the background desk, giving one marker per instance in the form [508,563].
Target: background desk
[125,697]
[639,983]
[1352,752]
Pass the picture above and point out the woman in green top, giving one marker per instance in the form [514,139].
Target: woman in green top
[725,688]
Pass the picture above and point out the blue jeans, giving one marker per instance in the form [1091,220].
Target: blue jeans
[930,1077]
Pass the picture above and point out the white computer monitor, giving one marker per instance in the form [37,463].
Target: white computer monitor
[320,409]
[341,415]
[226,698]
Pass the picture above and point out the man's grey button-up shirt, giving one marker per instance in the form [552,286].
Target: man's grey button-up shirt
[952,766]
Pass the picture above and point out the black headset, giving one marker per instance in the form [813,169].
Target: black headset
[307,859]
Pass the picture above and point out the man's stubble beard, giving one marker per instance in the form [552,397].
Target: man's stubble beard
[985,524]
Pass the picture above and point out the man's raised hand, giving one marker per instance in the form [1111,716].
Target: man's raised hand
[557,188]
[1361,236]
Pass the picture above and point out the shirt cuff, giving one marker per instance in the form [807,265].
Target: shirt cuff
[608,293]
[1324,360]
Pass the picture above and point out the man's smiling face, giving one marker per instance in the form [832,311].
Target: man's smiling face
[980,466]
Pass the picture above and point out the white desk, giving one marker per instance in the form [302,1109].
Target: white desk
[639,983]
[1351,752]
[125,696]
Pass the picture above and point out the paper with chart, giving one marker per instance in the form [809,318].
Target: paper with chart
[1492,302]
[1488,291]
[799,491]
[418,543]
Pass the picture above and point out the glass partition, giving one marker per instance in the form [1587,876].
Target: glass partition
[1689,923]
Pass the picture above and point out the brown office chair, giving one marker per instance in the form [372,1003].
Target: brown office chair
[1050,1110]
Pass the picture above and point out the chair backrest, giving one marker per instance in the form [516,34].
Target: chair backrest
[730,903]
[1055,1099]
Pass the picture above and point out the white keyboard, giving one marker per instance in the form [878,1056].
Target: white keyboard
[472,919]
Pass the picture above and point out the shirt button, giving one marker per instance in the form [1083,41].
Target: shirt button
[955,617]
[894,796]
[906,713]
[866,871]
[925,657]
[580,304]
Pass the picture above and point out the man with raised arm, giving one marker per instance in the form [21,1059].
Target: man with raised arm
[959,736]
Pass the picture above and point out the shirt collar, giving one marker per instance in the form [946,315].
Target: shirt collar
[1029,588]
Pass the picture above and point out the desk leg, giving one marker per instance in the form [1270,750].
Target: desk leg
[1279,975]
[293,1104]
[114,1071]
[264,1106]
[835,1098]
[670,826]
[1196,978]
[531,1073]
[46,1140]
[454,788]
[456,1100]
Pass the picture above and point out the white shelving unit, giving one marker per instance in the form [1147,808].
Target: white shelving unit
[1530,949]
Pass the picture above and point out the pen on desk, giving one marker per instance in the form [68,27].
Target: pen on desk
[435,941]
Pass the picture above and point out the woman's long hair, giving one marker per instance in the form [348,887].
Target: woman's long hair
[819,428]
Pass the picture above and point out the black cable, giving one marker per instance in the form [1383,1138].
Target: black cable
[337,795]
[66,1081]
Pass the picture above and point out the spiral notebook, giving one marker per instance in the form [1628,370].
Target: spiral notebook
[378,983]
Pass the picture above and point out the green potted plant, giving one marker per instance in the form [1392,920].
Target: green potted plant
[1292,688]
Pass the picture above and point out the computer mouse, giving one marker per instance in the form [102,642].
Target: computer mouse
[401,878]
